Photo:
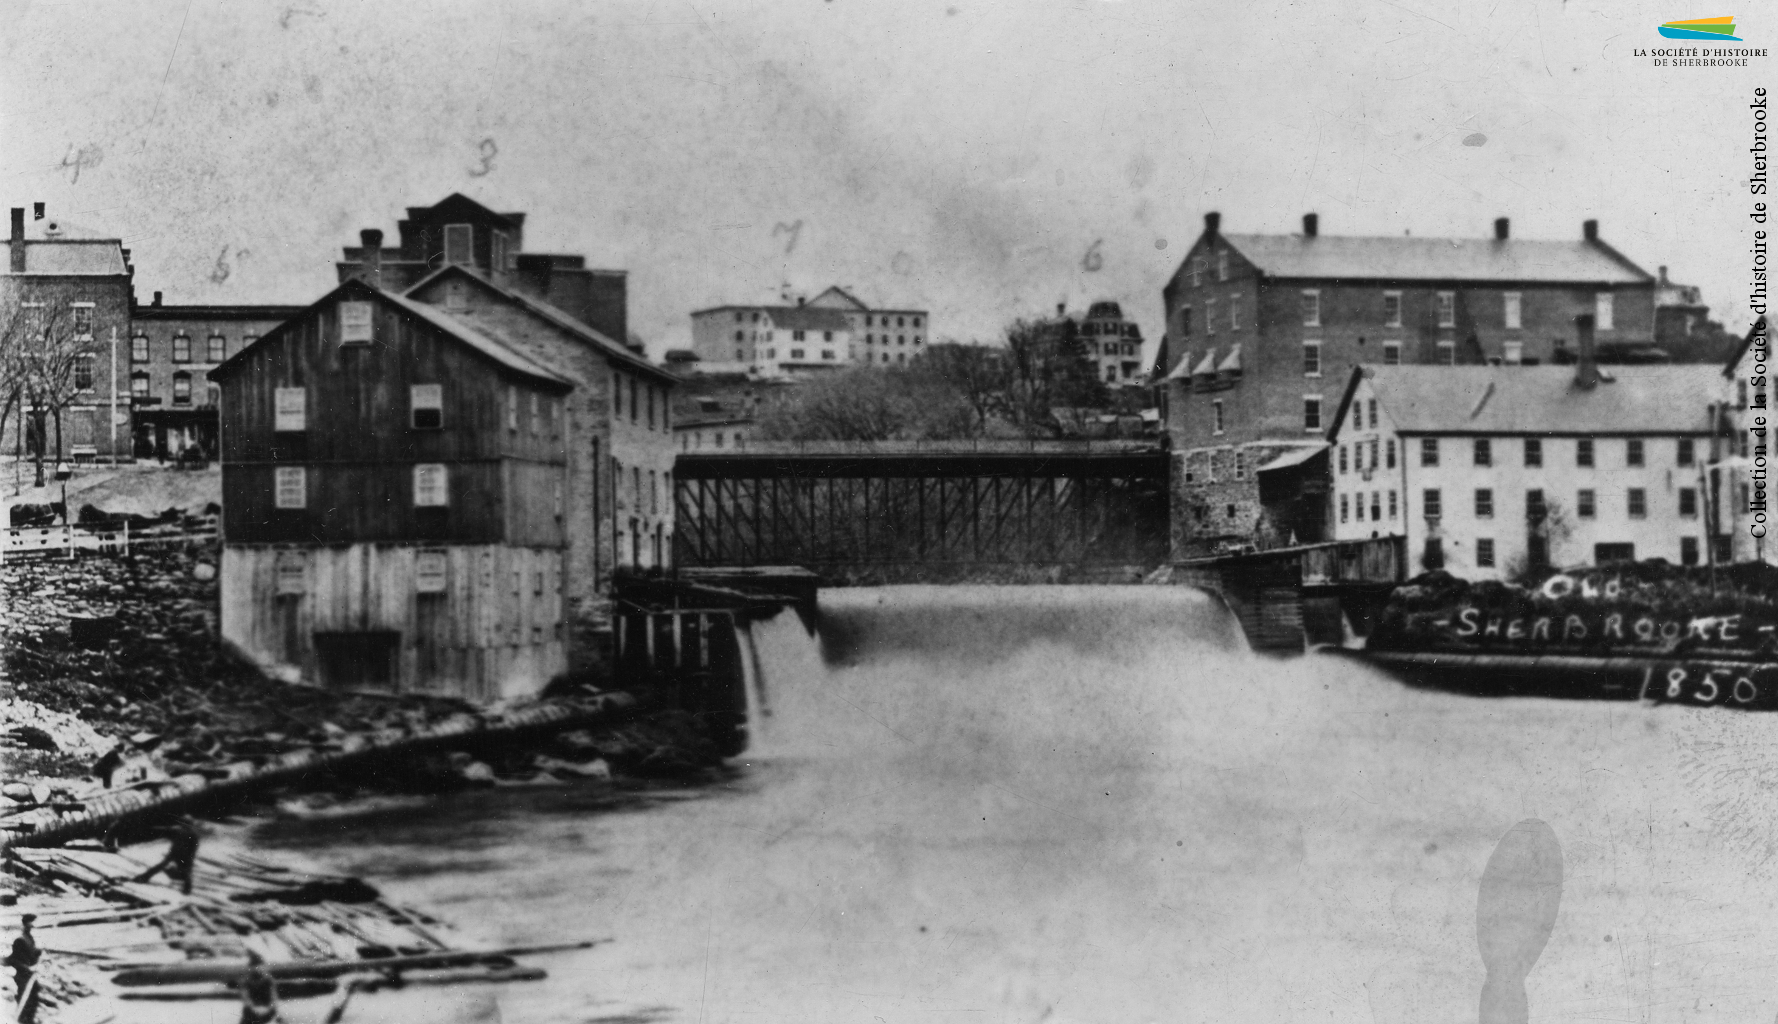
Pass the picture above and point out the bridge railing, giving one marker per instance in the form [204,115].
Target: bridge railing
[978,446]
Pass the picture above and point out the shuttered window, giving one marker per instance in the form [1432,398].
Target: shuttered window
[291,410]
[431,488]
[355,327]
[292,487]
[427,403]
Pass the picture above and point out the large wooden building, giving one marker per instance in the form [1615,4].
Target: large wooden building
[393,493]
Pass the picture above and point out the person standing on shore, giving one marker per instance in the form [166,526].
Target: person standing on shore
[259,992]
[181,857]
[23,961]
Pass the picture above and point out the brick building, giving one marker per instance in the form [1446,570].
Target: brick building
[832,330]
[1491,470]
[171,351]
[1264,330]
[73,285]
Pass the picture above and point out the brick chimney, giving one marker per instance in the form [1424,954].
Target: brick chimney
[372,260]
[1212,224]
[1503,229]
[1311,225]
[1586,369]
[1663,275]
[157,298]
[18,240]
[1589,230]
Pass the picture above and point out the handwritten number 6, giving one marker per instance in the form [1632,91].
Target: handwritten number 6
[1093,260]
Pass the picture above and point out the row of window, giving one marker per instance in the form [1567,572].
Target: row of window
[431,486]
[214,349]
[1234,317]
[290,413]
[459,247]
[657,482]
[1200,266]
[181,388]
[80,317]
[1538,552]
[1586,503]
[1446,305]
[642,396]
[870,320]
[1114,330]
[1585,451]
[1114,348]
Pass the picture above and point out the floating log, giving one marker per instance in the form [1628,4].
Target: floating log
[232,971]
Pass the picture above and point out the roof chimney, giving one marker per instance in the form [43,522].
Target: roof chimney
[1503,229]
[1212,224]
[1586,370]
[157,298]
[1589,229]
[1663,274]
[1311,225]
[372,260]
[1061,310]
[18,240]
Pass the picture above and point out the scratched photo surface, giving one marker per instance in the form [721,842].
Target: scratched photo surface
[977,803]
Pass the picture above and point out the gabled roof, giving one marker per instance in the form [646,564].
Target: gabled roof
[843,297]
[1405,258]
[459,201]
[809,318]
[449,326]
[85,257]
[1528,400]
[545,311]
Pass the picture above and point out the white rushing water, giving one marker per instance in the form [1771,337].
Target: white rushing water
[1094,804]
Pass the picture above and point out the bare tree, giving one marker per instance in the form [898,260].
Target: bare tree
[41,359]
[868,403]
[1048,368]
[978,373]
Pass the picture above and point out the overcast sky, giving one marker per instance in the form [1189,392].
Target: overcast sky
[957,154]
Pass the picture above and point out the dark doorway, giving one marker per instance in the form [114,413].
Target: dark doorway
[358,661]
[1603,553]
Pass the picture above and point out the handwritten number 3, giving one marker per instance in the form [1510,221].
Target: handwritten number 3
[489,151]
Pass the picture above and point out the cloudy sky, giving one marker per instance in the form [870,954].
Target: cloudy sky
[964,155]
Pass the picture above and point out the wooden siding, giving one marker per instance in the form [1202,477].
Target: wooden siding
[497,630]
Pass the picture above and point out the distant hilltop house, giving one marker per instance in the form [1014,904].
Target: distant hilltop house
[1263,331]
[832,330]
[73,286]
[430,481]
[1489,470]
[1114,343]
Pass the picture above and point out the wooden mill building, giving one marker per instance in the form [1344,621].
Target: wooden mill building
[393,493]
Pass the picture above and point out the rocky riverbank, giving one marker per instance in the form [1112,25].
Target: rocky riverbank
[114,675]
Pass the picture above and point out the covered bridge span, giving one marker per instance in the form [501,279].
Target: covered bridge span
[858,505]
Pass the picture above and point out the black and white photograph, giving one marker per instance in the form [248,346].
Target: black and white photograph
[887,512]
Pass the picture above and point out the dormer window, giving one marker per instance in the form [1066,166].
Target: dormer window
[456,294]
[459,245]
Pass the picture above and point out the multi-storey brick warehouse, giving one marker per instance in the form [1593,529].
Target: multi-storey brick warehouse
[1263,331]
[171,351]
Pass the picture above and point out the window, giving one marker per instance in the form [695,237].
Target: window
[215,344]
[1602,311]
[1391,504]
[83,371]
[1633,452]
[654,494]
[139,384]
[1583,452]
[182,388]
[1373,453]
[1373,407]
[456,296]
[83,319]
[459,243]
[1311,306]
[1688,551]
[1234,313]
[1687,455]
[431,489]
[1514,353]
[1484,553]
[1391,309]
[1311,412]
[1447,309]
[1603,553]
[1688,501]
[1376,506]
[796,335]
[1447,353]
[355,325]
[1431,503]
[1358,415]
[1343,508]
[1342,459]
[292,569]
[139,348]
[1434,556]
[181,348]
[1390,449]
[635,408]
[1311,358]
[1535,509]
[213,395]
[1429,451]
[1216,411]
[796,353]
[1484,452]
[1511,311]
[431,572]
[536,414]
[290,409]
[1638,503]
[500,258]
[1209,316]
[512,407]
[650,392]
[426,401]
[292,487]
[1484,503]
[1533,451]
[1222,265]
[1392,353]
[1185,322]
[1197,271]
[1584,504]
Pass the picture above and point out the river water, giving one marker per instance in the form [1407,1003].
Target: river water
[1094,804]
